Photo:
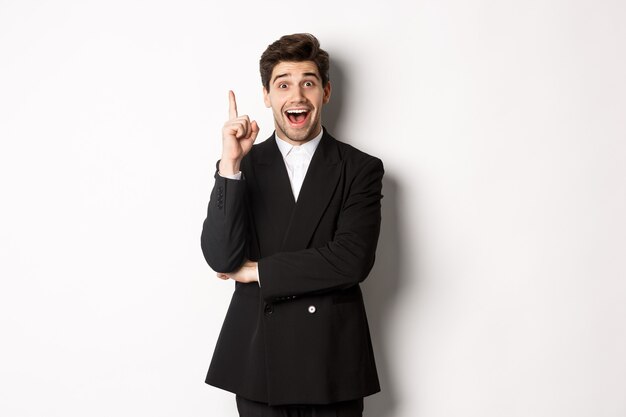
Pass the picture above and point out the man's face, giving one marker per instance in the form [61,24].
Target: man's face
[296,97]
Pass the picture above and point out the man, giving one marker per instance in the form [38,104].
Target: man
[294,221]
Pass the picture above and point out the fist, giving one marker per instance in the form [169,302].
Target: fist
[246,273]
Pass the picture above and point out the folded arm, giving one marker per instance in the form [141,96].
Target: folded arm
[344,261]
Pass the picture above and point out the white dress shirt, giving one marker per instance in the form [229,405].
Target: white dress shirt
[297,160]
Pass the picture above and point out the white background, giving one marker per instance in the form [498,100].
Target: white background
[500,285]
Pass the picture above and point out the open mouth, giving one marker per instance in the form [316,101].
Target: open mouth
[297,116]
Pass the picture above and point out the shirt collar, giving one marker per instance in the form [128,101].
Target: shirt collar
[308,147]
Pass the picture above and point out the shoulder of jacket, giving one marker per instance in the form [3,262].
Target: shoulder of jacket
[353,155]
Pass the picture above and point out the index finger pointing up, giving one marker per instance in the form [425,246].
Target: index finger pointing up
[232,107]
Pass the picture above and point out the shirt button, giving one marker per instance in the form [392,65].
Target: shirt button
[268,309]
[312,309]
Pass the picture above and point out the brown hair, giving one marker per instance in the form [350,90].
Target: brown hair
[295,48]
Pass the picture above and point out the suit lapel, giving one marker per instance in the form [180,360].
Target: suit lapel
[274,190]
[317,189]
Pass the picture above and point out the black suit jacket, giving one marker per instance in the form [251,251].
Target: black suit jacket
[301,337]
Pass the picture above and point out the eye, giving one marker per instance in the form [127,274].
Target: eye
[282,85]
[308,83]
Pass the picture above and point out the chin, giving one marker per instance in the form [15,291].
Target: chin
[297,134]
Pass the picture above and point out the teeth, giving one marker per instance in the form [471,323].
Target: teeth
[296,111]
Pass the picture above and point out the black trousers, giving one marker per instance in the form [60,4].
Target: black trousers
[249,408]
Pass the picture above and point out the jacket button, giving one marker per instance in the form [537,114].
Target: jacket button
[312,309]
[268,309]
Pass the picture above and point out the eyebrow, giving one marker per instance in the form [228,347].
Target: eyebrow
[287,74]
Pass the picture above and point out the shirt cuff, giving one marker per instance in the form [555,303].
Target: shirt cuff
[236,176]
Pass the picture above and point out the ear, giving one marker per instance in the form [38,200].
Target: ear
[266,98]
[327,91]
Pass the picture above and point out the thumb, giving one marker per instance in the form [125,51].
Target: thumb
[254,130]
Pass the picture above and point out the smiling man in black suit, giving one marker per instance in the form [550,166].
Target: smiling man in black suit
[294,221]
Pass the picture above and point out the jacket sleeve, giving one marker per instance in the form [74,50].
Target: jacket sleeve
[223,238]
[344,261]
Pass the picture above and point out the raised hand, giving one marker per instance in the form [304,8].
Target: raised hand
[238,135]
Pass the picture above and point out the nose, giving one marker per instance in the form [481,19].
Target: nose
[298,95]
